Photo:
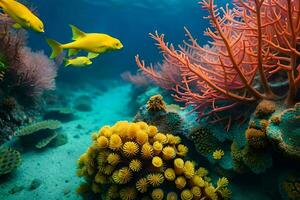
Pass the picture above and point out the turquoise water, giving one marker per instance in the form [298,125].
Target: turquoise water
[111,129]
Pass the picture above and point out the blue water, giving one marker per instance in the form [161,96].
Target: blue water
[130,23]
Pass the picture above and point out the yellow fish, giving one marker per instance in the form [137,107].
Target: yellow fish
[80,61]
[94,43]
[23,17]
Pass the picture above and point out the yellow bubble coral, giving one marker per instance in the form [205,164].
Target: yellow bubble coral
[131,160]
[196,191]
[112,192]
[142,185]
[120,128]
[157,194]
[162,138]
[170,174]
[108,169]
[157,161]
[218,154]
[201,172]
[133,130]
[173,140]
[105,131]
[122,175]
[180,182]
[186,195]
[115,142]
[143,125]
[210,191]
[198,181]
[152,131]
[222,182]
[130,149]
[102,142]
[135,165]
[128,193]
[169,153]
[100,178]
[141,137]
[155,179]
[179,166]
[189,169]
[157,147]
[147,151]
[113,158]
[172,196]
[182,150]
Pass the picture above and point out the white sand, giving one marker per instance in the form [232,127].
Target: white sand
[56,167]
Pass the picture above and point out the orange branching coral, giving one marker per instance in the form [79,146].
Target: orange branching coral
[253,40]
[121,164]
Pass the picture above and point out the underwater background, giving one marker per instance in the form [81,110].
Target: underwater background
[192,126]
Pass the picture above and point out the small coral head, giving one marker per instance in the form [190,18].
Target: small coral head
[156,103]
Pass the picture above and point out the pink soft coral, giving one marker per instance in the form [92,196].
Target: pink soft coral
[256,39]
[29,73]
[36,73]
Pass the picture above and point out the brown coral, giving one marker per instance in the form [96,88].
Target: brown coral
[156,103]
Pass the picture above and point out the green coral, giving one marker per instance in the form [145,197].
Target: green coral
[204,141]
[237,158]
[257,161]
[38,126]
[39,134]
[284,131]
[10,159]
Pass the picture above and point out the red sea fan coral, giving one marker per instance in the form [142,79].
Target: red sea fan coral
[255,40]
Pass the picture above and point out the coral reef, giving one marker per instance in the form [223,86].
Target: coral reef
[156,103]
[284,131]
[156,112]
[204,141]
[112,166]
[39,134]
[289,185]
[250,49]
[10,159]
[24,76]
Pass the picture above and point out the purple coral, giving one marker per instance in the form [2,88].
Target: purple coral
[36,73]
[29,73]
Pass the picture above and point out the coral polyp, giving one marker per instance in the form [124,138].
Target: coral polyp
[123,168]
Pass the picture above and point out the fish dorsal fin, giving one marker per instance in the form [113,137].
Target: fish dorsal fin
[77,33]
[73,52]
[92,55]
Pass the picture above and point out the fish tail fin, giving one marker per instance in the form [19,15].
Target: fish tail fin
[67,62]
[56,48]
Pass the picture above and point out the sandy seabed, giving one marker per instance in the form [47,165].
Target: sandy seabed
[56,167]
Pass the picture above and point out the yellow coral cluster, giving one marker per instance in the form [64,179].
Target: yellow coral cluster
[131,161]
[218,154]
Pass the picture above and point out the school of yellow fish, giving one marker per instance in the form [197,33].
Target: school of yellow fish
[92,43]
